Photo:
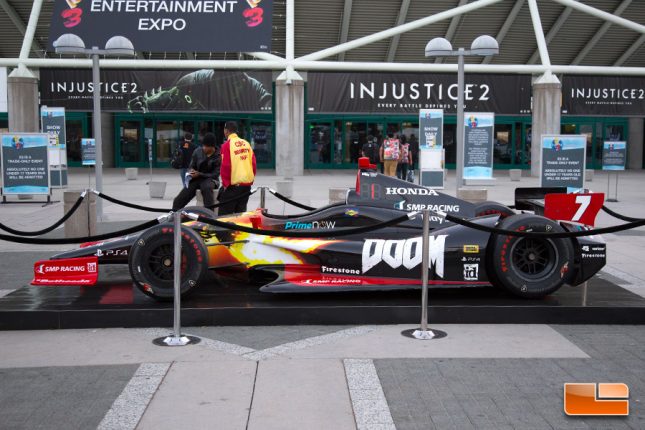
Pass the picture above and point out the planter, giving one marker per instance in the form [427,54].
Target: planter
[131,173]
[157,190]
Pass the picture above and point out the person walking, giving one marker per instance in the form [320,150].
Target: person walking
[238,171]
[390,154]
[187,148]
[406,160]
[370,150]
[203,174]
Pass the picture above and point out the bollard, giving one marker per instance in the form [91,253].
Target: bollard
[285,188]
[131,173]
[424,333]
[515,174]
[83,221]
[176,338]
[263,197]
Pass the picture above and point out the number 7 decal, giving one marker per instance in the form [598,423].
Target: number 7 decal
[579,208]
[584,201]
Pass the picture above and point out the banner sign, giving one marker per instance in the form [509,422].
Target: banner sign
[338,92]
[88,151]
[159,90]
[614,155]
[563,161]
[430,129]
[603,95]
[167,25]
[52,122]
[25,169]
[478,145]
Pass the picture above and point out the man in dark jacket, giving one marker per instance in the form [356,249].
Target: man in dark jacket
[187,148]
[203,174]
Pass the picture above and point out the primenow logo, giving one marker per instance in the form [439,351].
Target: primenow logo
[314,225]
[604,399]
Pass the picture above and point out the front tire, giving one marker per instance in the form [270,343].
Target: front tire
[531,267]
[151,261]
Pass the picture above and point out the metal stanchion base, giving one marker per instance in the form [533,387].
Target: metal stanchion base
[173,340]
[417,333]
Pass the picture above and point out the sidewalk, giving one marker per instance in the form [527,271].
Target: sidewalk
[314,377]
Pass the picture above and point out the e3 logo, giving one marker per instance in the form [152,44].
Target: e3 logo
[596,399]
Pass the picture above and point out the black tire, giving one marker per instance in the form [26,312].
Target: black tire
[530,267]
[493,208]
[152,256]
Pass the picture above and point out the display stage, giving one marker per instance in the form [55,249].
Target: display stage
[116,303]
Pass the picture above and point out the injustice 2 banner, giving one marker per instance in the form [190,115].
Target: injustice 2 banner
[167,25]
[603,95]
[409,92]
[142,91]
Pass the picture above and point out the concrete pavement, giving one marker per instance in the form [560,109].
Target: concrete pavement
[340,377]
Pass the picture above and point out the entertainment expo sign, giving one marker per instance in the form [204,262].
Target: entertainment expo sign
[168,25]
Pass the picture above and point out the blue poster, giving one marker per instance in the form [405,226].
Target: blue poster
[88,151]
[25,168]
[614,155]
[478,145]
[430,129]
[563,161]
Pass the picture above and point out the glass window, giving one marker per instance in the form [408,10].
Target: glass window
[410,133]
[74,134]
[203,127]
[352,146]
[320,143]
[502,144]
[615,132]
[129,138]
[167,139]
[261,140]
[338,143]
[449,142]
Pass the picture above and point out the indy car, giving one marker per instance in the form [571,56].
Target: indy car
[382,259]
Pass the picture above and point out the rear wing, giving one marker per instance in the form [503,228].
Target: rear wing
[555,203]
[532,198]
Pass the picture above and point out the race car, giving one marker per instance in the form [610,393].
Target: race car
[381,259]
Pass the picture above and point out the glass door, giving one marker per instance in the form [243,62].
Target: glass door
[131,148]
[586,129]
[319,144]
[261,140]
[75,130]
[167,140]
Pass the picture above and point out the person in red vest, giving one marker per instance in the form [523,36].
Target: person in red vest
[238,171]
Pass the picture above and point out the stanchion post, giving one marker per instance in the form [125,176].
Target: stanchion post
[176,339]
[424,333]
[263,197]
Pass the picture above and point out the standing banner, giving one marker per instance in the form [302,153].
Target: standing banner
[167,25]
[431,154]
[614,155]
[88,151]
[603,95]
[563,161]
[25,169]
[52,122]
[478,145]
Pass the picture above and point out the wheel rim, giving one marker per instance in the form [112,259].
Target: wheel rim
[534,259]
[161,263]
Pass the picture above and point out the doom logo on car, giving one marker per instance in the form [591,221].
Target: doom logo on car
[405,252]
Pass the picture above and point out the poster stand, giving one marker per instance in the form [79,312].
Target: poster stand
[615,198]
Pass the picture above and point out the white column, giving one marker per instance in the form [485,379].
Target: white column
[289,124]
[547,93]
[635,142]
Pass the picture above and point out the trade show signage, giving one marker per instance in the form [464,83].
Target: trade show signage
[88,151]
[338,92]
[614,155]
[159,90]
[25,169]
[478,145]
[167,25]
[52,121]
[603,95]
[563,161]
[430,129]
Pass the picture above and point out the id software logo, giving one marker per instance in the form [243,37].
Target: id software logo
[605,399]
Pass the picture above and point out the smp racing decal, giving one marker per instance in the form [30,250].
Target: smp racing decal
[406,253]
[407,206]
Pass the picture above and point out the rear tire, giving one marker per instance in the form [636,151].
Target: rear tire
[151,261]
[493,208]
[530,267]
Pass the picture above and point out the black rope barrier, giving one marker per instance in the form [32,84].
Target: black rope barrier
[291,202]
[151,209]
[619,216]
[70,240]
[51,227]
[546,234]
[313,234]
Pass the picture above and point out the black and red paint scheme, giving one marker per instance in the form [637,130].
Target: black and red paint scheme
[383,259]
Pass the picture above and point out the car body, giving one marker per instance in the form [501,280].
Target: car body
[382,259]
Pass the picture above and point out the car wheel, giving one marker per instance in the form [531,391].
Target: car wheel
[151,261]
[493,208]
[530,267]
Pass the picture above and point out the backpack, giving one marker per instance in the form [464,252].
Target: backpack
[177,159]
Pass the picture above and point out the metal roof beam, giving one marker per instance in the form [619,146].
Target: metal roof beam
[630,51]
[603,15]
[394,42]
[21,27]
[539,33]
[366,40]
[344,26]
[599,34]
[452,29]
[562,18]
[506,26]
